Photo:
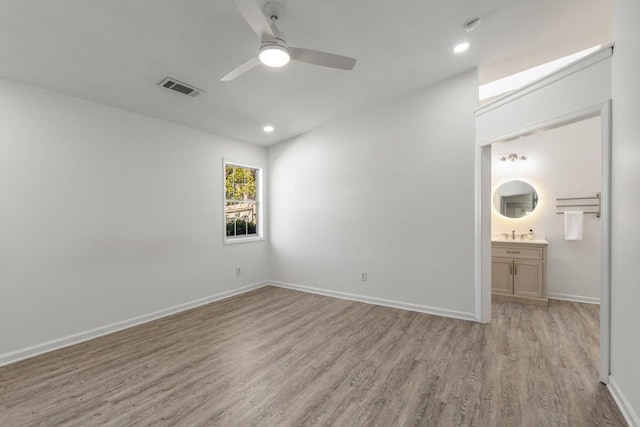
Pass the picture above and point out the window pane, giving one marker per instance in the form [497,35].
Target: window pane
[241,183]
[238,191]
[228,184]
[241,218]
[250,189]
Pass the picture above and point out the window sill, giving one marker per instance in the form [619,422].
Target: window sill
[234,240]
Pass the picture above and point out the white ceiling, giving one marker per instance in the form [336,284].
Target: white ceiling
[115,52]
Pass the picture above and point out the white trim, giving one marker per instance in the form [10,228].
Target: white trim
[625,407]
[605,251]
[597,56]
[483,234]
[80,337]
[573,298]
[477,247]
[234,240]
[377,301]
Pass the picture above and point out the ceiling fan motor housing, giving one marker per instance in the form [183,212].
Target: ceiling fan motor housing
[273,11]
[269,46]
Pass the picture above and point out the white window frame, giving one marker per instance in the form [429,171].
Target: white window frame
[259,205]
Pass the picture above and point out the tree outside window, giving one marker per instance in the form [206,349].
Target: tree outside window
[241,201]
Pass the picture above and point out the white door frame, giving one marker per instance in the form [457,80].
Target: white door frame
[483,220]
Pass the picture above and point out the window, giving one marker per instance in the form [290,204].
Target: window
[523,78]
[242,204]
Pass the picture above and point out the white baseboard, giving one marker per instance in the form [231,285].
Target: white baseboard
[69,340]
[625,407]
[573,298]
[379,301]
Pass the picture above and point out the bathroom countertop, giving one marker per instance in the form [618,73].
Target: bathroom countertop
[537,240]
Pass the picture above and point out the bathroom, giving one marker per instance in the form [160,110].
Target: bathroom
[561,163]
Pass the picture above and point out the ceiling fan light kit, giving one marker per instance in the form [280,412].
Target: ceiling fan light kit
[274,50]
[273,55]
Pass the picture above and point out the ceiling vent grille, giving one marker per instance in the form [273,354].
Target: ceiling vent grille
[177,86]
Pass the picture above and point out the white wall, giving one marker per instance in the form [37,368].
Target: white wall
[625,273]
[388,191]
[106,215]
[562,162]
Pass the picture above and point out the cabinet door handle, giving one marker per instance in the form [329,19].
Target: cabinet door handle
[513,252]
[511,269]
[515,270]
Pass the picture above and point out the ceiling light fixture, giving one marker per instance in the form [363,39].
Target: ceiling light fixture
[273,55]
[513,157]
[461,47]
[268,128]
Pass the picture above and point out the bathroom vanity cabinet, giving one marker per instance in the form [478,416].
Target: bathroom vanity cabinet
[518,271]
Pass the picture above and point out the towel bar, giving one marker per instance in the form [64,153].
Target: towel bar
[582,205]
[597,213]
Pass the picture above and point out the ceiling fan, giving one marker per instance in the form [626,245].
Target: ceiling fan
[274,50]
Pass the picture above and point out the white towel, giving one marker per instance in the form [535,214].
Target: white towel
[573,225]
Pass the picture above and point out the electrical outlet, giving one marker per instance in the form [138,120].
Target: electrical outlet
[238,271]
[363,276]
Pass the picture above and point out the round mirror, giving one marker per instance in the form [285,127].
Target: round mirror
[515,199]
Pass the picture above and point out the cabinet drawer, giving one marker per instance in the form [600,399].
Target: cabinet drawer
[516,252]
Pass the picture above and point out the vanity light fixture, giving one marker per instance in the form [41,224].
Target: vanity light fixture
[512,157]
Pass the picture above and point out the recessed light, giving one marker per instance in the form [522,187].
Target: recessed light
[461,47]
[268,129]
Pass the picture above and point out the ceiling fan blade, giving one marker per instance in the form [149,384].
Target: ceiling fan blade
[322,58]
[241,69]
[256,19]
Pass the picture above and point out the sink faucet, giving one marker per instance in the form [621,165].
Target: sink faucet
[513,234]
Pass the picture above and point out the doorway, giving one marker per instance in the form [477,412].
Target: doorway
[486,151]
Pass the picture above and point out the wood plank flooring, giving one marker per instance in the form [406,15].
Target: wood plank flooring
[277,357]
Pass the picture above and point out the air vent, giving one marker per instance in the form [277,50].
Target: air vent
[177,86]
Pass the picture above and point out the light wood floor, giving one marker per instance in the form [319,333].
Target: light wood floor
[277,357]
